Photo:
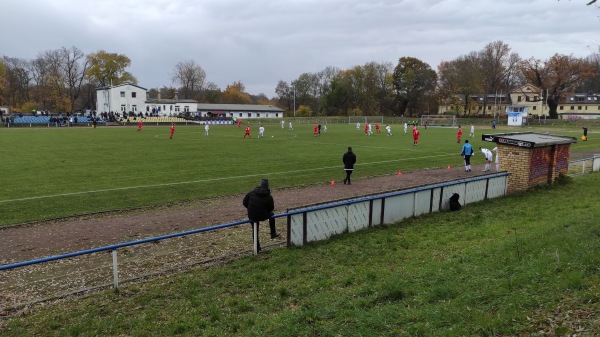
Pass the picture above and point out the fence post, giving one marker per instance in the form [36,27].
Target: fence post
[596,163]
[255,236]
[115,270]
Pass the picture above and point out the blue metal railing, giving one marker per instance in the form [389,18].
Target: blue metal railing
[118,245]
[237,223]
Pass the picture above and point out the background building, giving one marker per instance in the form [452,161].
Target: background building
[122,98]
[243,111]
[127,99]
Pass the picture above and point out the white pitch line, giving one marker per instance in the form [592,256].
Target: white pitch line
[212,179]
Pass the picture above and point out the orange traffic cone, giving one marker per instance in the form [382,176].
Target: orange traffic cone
[332,183]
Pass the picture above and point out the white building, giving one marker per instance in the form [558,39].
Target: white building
[242,111]
[127,98]
[121,98]
[170,107]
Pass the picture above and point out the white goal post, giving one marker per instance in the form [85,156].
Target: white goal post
[439,120]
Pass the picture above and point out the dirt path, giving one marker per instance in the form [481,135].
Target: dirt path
[21,243]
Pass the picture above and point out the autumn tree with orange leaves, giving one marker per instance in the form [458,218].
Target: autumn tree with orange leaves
[557,76]
[235,94]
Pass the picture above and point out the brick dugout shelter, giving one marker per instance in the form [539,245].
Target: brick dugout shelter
[531,158]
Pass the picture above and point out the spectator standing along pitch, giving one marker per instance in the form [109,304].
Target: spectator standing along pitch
[349,159]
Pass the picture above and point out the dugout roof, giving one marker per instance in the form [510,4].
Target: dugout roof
[527,139]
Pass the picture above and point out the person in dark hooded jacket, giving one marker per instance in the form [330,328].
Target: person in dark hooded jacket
[260,205]
[349,159]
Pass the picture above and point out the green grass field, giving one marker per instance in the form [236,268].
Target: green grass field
[523,265]
[55,172]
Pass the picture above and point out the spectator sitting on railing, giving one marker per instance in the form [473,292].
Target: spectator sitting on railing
[260,205]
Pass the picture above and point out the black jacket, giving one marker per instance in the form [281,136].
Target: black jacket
[349,159]
[259,203]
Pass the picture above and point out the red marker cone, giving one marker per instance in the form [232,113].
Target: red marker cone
[332,183]
[399,173]
[448,167]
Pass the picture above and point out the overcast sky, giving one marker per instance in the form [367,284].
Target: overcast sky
[260,42]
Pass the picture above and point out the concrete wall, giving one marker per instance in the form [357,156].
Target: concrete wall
[315,223]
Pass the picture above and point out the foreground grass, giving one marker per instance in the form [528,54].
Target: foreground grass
[521,265]
[56,172]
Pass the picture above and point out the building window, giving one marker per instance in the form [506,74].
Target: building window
[177,108]
[534,107]
[519,99]
[240,115]
[122,93]
[134,108]
[123,108]
[186,108]
[561,107]
[572,108]
[579,107]
[133,94]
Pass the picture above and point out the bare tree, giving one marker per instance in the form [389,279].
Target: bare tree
[74,66]
[498,66]
[18,81]
[557,76]
[190,77]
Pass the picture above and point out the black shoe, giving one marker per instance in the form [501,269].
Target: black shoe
[277,235]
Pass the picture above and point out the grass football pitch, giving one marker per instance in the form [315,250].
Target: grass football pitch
[55,172]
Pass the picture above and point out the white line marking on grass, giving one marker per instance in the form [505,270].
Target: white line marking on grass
[394,147]
[215,179]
